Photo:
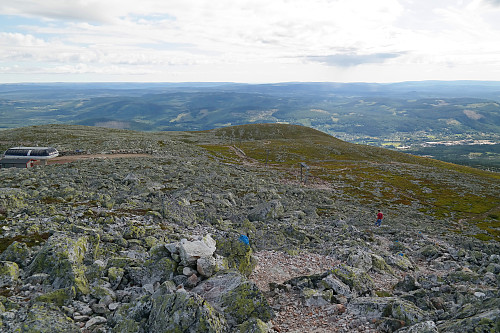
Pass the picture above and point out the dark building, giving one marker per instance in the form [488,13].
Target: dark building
[16,163]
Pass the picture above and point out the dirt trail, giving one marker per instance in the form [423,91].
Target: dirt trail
[73,158]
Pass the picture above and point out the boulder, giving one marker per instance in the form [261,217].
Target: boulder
[423,327]
[407,284]
[58,297]
[153,271]
[358,281]
[45,317]
[131,315]
[313,297]
[62,257]
[407,312]
[184,312]
[488,321]
[191,251]
[115,276]
[360,259]
[370,307]
[9,274]
[392,307]
[267,211]
[237,255]
[339,287]
[237,297]
[206,266]
[16,252]
[254,325]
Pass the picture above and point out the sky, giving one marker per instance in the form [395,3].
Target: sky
[252,41]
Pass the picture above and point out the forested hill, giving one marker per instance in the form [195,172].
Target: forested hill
[398,115]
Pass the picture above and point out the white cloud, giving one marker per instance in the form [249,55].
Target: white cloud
[152,35]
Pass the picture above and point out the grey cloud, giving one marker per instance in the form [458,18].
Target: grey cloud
[350,60]
[494,2]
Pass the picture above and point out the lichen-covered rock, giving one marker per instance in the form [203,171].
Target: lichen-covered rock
[360,259]
[370,307]
[380,265]
[313,297]
[237,255]
[359,282]
[423,327]
[463,275]
[45,318]
[62,257]
[429,251]
[16,252]
[339,287]
[191,251]
[254,325]
[153,271]
[184,312]
[267,211]
[126,326]
[206,266]
[136,311]
[407,312]
[58,297]
[401,262]
[488,321]
[115,276]
[9,273]
[407,284]
[392,307]
[238,298]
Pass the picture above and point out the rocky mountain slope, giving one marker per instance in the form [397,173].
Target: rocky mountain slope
[151,244]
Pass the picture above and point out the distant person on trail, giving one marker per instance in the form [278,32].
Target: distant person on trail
[380,217]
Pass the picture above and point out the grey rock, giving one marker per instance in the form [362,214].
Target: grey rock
[206,266]
[360,259]
[17,252]
[44,317]
[238,298]
[424,327]
[407,284]
[267,211]
[358,281]
[95,321]
[254,325]
[339,287]
[184,312]
[370,307]
[180,279]
[188,271]
[191,251]
[9,274]
[62,257]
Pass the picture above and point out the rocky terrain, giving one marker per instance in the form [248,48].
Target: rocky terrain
[151,244]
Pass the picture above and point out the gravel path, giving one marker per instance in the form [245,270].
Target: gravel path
[291,314]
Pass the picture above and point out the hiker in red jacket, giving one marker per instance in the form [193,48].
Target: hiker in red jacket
[380,217]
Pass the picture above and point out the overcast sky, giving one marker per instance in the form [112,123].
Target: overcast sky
[249,40]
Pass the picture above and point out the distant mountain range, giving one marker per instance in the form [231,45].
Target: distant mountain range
[393,115]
